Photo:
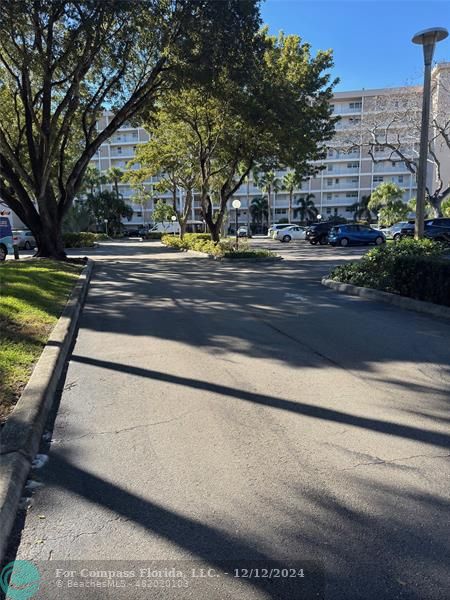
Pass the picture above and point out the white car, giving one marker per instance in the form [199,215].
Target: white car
[274,229]
[293,232]
[23,239]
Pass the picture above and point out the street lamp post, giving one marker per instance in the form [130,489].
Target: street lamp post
[236,204]
[173,219]
[427,39]
[106,226]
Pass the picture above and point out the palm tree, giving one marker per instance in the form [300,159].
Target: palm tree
[361,210]
[115,176]
[259,209]
[92,180]
[269,183]
[306,208]
[290,181]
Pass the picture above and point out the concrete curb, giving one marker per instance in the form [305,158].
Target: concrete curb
[21,435]
[428,308]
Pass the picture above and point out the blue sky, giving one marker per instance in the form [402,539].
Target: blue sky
[371,39]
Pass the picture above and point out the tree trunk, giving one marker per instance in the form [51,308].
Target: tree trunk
[290,207]
[436,204]
[49,242]
[214,227]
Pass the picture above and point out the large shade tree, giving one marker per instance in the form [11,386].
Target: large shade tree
[278,119]
[63,61]
[170,155]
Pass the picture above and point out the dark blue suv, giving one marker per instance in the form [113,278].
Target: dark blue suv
[344,235]
[435,229]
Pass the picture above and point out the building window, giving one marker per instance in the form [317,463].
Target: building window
[119,150]
[351,195]
[378,179]
[329,196]
[329,181]
[353,165]
[355,104]
[328,210]
[400,178]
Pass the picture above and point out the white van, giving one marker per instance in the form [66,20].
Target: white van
[166,227]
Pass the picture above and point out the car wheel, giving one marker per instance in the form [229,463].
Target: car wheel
[343,242]
[379,240]
[397,237]
[27,245]
[3,253]
[286,238]
[313,242]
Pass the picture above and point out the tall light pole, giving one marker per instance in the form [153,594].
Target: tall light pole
[427,39]
[236,204]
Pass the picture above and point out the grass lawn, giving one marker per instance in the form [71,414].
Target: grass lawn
[33,294]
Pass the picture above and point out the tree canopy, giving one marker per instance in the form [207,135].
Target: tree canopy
[279,118]
[62,62]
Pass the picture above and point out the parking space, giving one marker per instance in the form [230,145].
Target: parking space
[302,250]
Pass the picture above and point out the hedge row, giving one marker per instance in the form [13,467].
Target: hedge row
[84,239]
[413,268]
[201,242]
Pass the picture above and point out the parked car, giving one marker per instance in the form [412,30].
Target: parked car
[345,235]
[6,238]
[273,229]
[166,227]
[317,233]
[243,232]
[394,232]
[435,229]
[294,232]
[23,239]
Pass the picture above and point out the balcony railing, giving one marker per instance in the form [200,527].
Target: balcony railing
[381,168]
[343,110]
[347,171]
[342,156]
[350,185]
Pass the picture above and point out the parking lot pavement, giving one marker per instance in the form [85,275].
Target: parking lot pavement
[302,250]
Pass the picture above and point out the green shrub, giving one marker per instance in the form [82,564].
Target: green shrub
[101,237]
[153,235]
[250,254]
[201,242]
[79,240]
[413,268]
[423,278]
[197,236]
[173,241]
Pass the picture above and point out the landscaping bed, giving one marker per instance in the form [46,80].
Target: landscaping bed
[84,239]
[33,295]
[415,269]
[225,248]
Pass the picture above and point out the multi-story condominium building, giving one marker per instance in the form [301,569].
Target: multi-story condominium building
[376,129]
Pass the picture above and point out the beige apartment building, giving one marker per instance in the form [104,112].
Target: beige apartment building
[358,157]
[355,164]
